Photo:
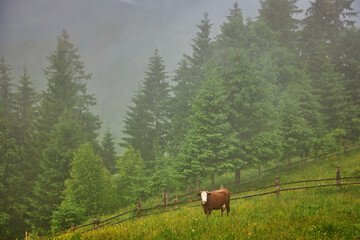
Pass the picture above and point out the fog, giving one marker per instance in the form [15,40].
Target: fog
[115,39]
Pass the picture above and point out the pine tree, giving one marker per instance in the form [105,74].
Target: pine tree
[55,169]
[331,94]
[324,22]
[6,95]
[329,18]
[347,63]
[209,142]
[136,129]
[299,120]
[278,16]
[26,113]
[66,90]
[147,123]
[233,31]
[108,151]
[252,116]
[65,121]
[12,202]
[188,79]
[201,50]
[184,91]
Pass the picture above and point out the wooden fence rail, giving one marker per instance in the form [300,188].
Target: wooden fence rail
[96,222]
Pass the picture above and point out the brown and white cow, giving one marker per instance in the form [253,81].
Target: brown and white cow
[215,200]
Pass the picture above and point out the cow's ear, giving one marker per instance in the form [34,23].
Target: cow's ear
[199,194]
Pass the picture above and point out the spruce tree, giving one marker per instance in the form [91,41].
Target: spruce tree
[184,91]
[209,142]
[12,202]
[108,152]
[188,79]
[6,95]
[147,123]
[65,121]
[66,89]
[201,50]
[26,113]
[233,31]
[55,169]
[252,116]
[279,17]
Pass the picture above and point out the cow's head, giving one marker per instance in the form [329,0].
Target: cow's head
[204,195]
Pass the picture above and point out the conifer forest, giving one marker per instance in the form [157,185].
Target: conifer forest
[277,86]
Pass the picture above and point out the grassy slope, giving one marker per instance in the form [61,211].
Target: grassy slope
[323,213]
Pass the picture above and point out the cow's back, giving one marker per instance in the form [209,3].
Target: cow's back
[218,198]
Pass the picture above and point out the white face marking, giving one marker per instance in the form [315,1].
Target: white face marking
[203,197]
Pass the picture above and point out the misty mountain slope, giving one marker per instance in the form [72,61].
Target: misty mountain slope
[115,39]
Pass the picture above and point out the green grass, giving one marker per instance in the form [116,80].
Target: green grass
[322,213]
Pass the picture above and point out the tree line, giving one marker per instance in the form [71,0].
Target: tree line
[271,88]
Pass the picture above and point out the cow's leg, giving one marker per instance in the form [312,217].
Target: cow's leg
[223,209]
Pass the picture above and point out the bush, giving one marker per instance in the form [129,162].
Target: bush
[69,213]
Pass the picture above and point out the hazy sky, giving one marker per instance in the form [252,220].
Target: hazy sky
[115,39]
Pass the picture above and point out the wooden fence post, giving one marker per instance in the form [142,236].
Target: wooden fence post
[166,197]
[277,187]
[259,170]
[175,202]
[197,184]
[188,190]
[221,186]
[303,160]
[27,237]
[139,207]
[96,222]
[338,176]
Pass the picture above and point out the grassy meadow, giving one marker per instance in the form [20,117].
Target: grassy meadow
[321,213]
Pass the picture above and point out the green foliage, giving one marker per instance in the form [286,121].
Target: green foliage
[89,185]
[131,179]
[164,177]
[68,213]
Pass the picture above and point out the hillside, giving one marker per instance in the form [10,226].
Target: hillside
[320,213]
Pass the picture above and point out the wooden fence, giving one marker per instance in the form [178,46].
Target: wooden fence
[175,205]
